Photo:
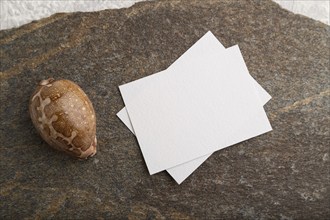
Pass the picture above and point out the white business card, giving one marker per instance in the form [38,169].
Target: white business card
[208,100]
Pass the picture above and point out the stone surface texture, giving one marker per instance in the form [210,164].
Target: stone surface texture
[283,174]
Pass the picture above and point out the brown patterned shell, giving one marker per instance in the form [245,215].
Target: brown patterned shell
[64,116]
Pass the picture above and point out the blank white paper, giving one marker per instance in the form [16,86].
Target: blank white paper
[182,116]
[181,172]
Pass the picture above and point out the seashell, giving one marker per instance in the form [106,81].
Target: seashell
[64,117]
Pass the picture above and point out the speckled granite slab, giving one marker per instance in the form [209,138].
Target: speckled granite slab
[281,175]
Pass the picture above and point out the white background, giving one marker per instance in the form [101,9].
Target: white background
[17,12]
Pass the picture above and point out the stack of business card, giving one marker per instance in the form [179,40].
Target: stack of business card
[205,101]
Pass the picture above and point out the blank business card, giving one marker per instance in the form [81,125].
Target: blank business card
[181,172]
[207,102]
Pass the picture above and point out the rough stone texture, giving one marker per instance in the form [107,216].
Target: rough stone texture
[280,175]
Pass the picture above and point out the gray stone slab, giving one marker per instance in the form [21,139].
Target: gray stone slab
[280,175]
